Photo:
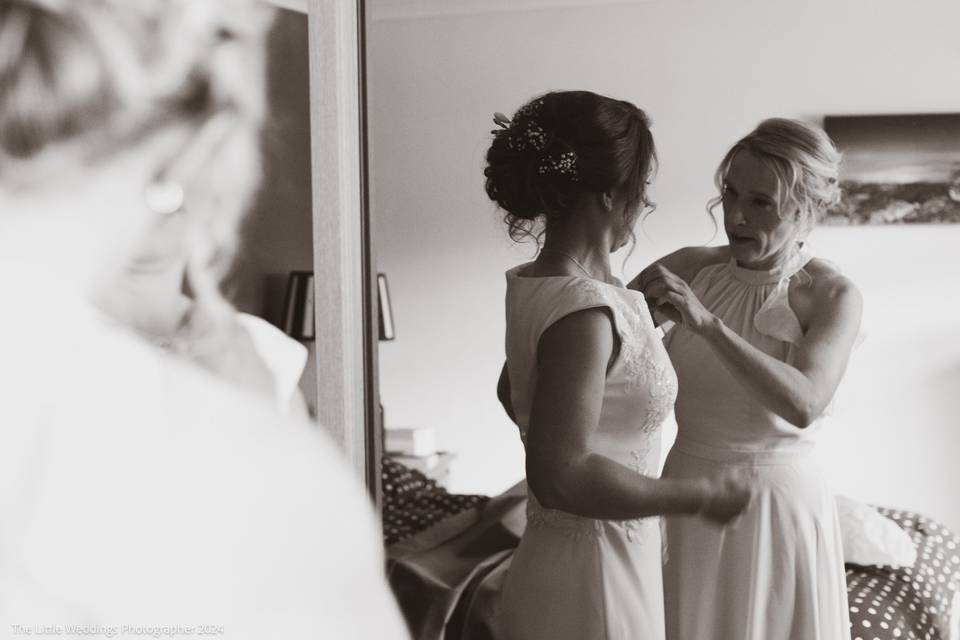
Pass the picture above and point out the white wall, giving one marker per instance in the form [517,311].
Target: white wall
[706,72]
[277,234]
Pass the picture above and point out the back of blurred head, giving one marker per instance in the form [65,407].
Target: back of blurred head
[116,112]
[107,107]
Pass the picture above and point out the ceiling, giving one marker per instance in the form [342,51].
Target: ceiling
[403,9]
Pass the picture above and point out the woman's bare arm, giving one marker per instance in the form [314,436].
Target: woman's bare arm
[798,392]
[563,472]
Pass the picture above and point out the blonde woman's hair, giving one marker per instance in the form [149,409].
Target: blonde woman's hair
[81,79]
[804,160]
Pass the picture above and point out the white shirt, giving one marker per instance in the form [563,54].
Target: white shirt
[282,355]
[138,490]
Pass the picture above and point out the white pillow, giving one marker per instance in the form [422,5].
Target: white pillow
[871,539]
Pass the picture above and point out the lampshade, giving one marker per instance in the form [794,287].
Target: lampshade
[298,306]
[385,310]
[299,321]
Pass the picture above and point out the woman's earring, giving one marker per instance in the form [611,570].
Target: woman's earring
[164,197]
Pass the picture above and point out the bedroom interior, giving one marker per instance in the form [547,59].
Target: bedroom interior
[706,73]
[311,216]
[436,71]
[698,70]
[278,231]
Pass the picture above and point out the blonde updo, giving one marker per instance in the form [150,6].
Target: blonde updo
[83,79]
[804,160]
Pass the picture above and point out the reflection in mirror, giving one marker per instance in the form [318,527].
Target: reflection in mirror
[276,239]
[171,294]
[706,74]
[130,144]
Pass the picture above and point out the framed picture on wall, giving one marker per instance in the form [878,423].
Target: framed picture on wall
[897,169]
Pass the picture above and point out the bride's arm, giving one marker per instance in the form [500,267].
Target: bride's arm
[798,392]
[563,473]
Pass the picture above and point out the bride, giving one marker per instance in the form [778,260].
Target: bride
[587,379]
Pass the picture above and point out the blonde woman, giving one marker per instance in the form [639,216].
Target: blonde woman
[169,292]
[140,495]
[763,332]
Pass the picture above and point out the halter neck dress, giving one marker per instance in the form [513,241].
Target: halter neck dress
[777,573]
[571,577]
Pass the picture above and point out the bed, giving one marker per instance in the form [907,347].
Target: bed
[447,555]
[915,602]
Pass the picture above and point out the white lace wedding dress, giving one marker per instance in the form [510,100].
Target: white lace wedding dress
[574,577]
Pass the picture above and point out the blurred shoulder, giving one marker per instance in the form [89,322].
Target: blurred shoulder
[280,352]
[236,503]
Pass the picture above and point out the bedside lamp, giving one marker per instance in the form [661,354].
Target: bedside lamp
[299,321]
[385,310]
[298,307]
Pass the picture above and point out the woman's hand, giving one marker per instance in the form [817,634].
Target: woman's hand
[670,295]
[727,496]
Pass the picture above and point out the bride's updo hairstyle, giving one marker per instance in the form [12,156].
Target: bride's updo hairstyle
[805,162]
[561,147]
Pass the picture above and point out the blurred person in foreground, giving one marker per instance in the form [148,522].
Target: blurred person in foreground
[137,489]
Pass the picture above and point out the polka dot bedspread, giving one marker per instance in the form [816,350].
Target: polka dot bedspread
[412,502]
[910,603]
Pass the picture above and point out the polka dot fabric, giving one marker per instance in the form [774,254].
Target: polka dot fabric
[413,502]
[911,603]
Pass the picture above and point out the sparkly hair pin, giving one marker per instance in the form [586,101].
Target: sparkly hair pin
[521,134]
[524,132]
[531,135]
[528,110]
[564,164]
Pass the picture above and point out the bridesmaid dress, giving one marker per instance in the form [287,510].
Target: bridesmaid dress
[777,573]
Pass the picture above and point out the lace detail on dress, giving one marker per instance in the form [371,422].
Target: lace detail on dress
[539,517]
[640,459]
[637,528]
[577,527]
[659,381]
[594,289]
[642,376]
[639,361]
